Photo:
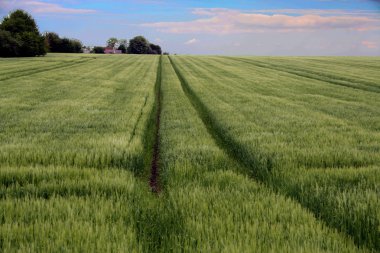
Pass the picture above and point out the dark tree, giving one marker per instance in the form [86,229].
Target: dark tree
[76,46]
[18,22]
[32,44]
[155,49]
[122,48]
[64,45]
[98,50]
[123,42]
[20,36]
[138,45]
[9,46]
[53,41]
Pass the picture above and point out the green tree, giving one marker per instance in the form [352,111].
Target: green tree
[32,44]
[123,42]
[76,46]
[53,41]
[155,49]
[111,42]
[98,50]
[138,45]
[18,22]
[122,48]
[64,45]
[9,46]
[20,36]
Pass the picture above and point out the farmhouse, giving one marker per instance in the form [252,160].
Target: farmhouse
[110,50]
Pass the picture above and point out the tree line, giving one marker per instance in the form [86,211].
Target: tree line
[20,37]
[137,45]
[55,44]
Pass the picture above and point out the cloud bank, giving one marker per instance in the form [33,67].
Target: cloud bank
[227,21]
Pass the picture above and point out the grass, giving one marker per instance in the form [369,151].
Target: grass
[249,154]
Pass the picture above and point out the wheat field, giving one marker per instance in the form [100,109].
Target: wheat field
[128,153]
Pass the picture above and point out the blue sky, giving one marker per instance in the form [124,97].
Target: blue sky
[239,27]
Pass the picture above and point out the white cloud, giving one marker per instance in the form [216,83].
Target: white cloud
[192,41]
[325,12]
[41,7]
[227,21]
[369,44]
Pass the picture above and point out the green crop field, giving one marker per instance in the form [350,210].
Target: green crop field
[127,153]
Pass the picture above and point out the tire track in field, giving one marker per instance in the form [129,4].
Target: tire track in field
[156,113]
[313,76]
[253,163]
[30,72]
[351,64]
[138,119]
[142,108]
[216,70]
[258,167]
[157,218]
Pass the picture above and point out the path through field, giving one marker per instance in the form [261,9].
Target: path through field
[155,170]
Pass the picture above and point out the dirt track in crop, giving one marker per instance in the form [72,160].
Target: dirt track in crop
[155,171]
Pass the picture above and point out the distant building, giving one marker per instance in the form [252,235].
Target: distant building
[110,50]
